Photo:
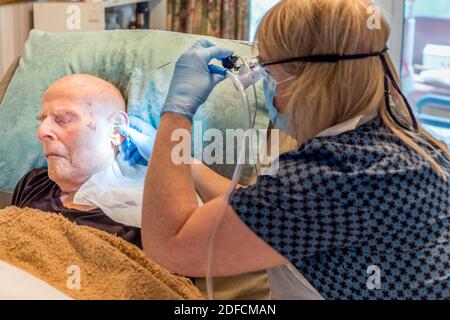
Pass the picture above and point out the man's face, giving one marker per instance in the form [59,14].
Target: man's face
[76,138]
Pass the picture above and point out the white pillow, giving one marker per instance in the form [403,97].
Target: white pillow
[17,284]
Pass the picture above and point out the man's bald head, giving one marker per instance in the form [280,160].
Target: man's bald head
[90,91]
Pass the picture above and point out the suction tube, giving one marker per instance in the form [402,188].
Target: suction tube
[235,180]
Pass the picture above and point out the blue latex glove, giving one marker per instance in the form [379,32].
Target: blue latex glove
[140,137]
[194,78]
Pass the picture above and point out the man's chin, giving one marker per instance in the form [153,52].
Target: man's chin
[59,175]
[56,175]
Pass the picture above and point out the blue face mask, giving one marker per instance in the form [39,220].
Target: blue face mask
[280,120]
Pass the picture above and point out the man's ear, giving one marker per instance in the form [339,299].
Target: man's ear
[118,118]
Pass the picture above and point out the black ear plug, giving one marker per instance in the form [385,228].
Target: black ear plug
[230,62]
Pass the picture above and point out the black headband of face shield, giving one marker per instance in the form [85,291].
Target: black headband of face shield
[387,76]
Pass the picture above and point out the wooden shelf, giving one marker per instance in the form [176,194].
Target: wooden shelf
[116,3]
[89,15]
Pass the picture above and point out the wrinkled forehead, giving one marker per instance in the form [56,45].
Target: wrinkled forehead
[60,99]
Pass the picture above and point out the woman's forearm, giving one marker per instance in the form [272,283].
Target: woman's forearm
[169,193]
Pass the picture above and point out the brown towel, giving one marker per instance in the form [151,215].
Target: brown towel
[47,244]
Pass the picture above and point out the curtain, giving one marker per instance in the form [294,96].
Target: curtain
[227,19]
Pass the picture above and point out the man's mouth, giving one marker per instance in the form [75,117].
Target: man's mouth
[54,155]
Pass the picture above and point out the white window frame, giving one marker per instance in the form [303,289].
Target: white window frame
[393,11]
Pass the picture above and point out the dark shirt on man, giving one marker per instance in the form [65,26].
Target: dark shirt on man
[36,190]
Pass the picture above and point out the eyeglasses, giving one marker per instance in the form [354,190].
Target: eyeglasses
[327,58]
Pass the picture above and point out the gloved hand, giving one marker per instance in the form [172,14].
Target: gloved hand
[140,137]
[194,78]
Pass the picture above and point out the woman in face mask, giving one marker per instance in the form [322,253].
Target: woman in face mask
[360,207]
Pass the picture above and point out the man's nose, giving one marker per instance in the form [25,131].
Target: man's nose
[45,131]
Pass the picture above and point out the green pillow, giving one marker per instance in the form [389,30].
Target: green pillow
[139,62]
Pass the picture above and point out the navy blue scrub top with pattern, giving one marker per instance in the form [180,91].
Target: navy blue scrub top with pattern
[361,215]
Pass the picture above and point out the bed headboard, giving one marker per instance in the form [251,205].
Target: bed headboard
[5,198]
[6,79]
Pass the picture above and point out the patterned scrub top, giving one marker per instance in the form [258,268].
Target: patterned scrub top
[361,215]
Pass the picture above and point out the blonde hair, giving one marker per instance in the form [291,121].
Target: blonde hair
[326,94]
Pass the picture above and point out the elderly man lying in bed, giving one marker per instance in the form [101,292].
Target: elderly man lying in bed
[78,138]
[78,117]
